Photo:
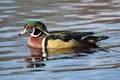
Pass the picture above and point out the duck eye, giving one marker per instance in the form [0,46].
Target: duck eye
[30,26]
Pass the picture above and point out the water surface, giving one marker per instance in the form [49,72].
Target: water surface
[99,16]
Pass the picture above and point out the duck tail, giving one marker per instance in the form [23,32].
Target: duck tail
[91,41]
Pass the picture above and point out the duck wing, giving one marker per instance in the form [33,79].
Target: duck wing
[67,35]
[78,35]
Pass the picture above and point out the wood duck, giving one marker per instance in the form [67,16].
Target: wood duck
[41,38]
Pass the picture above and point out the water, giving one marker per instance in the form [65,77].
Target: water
[99,16]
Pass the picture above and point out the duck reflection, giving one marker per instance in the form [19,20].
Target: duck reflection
[39,54]
[35,65]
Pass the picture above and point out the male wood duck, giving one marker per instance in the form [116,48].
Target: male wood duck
[41,38]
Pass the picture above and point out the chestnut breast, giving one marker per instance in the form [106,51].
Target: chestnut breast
[35,42]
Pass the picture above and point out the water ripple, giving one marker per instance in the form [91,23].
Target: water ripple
[99,16]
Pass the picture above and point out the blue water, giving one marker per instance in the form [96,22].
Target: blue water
[99,16]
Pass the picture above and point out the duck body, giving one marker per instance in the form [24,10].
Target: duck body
[41,38]
[58,40]
[64,39]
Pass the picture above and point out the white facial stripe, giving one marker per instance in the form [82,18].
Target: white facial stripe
[26,26]
[32,34]
[44,31]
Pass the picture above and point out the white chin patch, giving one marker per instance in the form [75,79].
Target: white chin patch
[35,35]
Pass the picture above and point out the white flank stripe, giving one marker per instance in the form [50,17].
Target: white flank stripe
[43,48]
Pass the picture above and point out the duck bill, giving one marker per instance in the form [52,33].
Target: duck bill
[22,33]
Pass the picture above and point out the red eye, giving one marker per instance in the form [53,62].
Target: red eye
[30,26]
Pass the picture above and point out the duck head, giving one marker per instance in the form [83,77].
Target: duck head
[35,28]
